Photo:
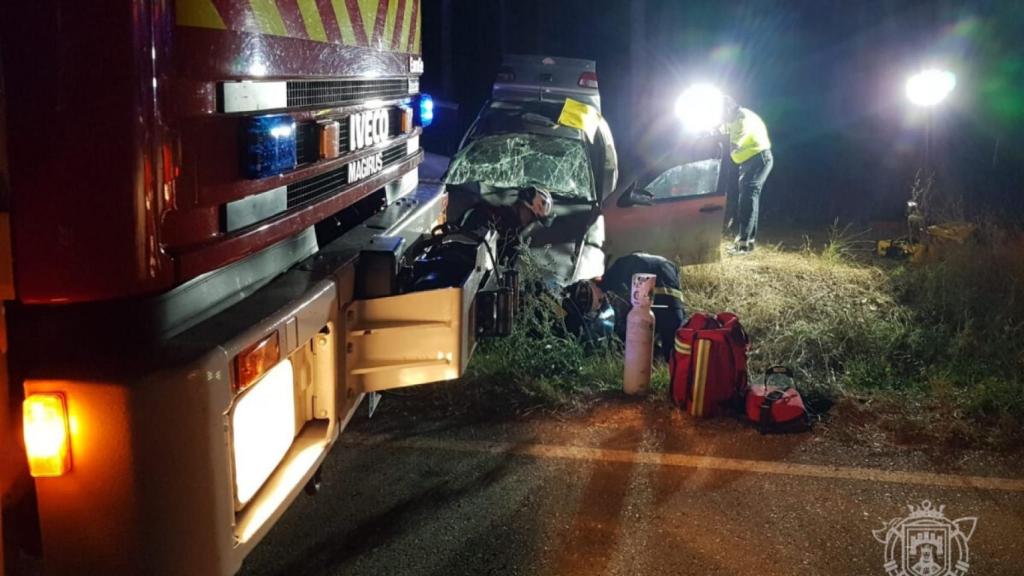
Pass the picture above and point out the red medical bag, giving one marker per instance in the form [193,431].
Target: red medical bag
[708,370]
[774,407]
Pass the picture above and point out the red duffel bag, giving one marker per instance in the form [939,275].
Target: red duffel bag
[776,406]
[708,370]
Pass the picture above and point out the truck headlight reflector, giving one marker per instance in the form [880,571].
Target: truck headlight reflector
[262,429]
[47,441]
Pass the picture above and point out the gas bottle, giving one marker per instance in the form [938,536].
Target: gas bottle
[639,336]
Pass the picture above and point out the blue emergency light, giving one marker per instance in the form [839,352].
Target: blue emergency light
[269,145]
[426,110]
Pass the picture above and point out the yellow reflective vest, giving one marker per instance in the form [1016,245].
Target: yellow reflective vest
[749,136]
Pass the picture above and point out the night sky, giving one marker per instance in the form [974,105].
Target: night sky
[826,75]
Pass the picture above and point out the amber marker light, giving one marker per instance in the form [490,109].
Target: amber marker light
[47,441]
[407,120]
[256,360]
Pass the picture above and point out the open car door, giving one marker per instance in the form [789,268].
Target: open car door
[676,209]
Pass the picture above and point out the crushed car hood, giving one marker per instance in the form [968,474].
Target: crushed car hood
[556,249]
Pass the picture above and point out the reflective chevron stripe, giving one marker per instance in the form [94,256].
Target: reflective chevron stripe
[329,19]
[311,18]
[380,39]
[413,45]
[392,25]
[344,22]
[389,26]
[198,14]
[396,34]
[268,17]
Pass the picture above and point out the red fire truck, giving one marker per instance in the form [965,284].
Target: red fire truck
[206,205]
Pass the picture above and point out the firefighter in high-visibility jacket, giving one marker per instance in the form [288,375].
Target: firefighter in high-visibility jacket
[751,150]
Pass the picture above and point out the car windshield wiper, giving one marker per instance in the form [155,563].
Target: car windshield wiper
[534,118]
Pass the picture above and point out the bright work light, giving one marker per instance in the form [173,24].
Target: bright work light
[930,87]
[701,108]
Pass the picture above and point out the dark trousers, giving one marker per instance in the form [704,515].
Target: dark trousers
[753,173]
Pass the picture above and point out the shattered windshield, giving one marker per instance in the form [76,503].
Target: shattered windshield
[516,160]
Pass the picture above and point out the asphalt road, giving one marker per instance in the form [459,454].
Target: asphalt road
[633,487]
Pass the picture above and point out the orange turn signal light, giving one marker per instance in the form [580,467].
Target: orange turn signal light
[47,439]
[330,145]
[256,360]
[407,119]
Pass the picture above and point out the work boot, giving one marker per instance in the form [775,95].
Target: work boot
[740,248]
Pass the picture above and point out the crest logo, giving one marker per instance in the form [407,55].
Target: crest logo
[926,543]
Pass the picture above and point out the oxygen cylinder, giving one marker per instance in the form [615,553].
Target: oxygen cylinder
[639,336]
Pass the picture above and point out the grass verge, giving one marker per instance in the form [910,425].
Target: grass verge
[540,365]
[936,347]
[935,350]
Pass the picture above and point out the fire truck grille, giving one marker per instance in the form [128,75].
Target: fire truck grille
[338,92]
[394,154]
[330,183]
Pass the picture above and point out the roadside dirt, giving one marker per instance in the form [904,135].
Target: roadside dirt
[633,487]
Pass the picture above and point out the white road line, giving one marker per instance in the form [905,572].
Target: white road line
[693,461]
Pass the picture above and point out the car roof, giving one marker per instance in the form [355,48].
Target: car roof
[545,78]
[534,117]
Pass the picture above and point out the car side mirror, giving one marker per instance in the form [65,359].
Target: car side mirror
[635,196]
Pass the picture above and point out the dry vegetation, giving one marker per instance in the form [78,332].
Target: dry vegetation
[938,347]
[802,310]
[936,350]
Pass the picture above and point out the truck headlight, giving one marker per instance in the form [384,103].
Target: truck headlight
[262,429]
